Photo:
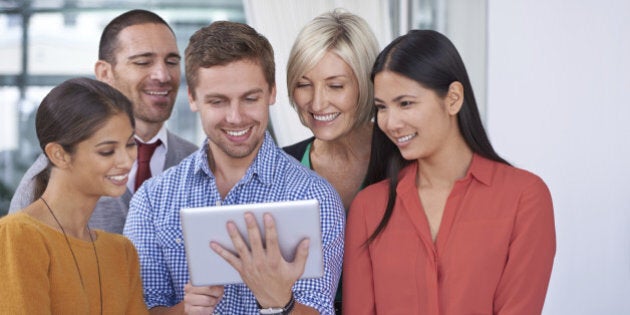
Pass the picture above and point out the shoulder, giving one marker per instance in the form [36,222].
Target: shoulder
[298,181]
[118,240]
[372,195]
[170,187]
[180,144]
[180,172]
[19,228]
[516,178]
[293,171]
[297,150]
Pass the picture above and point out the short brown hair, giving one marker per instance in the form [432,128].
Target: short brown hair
[224,42]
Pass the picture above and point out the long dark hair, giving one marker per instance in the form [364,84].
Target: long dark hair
[72,112]
[430,59]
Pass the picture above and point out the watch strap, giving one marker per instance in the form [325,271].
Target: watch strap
[277,310]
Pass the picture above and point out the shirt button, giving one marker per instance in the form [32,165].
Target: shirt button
[178,240]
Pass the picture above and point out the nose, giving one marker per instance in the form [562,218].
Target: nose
[234,115]
[318,103]
[161,72]
[390,120]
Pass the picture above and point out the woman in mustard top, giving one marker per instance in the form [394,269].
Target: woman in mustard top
[51,261]
[447,226]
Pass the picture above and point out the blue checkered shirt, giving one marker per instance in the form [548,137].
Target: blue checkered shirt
[153,225]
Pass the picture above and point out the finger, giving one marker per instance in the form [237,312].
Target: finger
[253,233]
[239,243]
[298,264]
[231,259]
[271,237]
[217,291]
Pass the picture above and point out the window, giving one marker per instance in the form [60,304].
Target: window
[45,42]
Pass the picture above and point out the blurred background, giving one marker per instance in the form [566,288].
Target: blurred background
[551,78]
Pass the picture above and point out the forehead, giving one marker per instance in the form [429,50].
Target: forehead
[146,38]
[331,64]
[116,127]
[233,78]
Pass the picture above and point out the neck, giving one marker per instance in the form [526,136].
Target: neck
[228,170]
[147,130]
[72,211]
[353,146]
[446,168]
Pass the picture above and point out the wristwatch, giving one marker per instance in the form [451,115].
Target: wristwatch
[286,310]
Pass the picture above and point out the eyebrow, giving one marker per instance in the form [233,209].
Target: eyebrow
[396,99]
[109,142]
[335,76]
[219,95]
[150,54]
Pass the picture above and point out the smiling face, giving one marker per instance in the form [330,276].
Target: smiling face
[326,98]
[100,164]
[147,70]
[416,119]
[233,103]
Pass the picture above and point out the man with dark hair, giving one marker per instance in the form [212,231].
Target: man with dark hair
[138,55]
[231,84]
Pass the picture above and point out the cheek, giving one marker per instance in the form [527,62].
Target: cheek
[301,97]
[349,99]
[381,120]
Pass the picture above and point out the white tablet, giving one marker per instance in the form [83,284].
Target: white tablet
[295,220]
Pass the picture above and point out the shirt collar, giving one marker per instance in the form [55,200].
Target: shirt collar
[261,168]
[162,135]
[481,169]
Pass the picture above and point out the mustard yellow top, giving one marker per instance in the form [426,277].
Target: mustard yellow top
[38,274]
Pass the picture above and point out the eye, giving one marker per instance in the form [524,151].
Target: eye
[302,84]
[406,103]
[214,101]
[142,63]
[336,86]
[106,153]
[379,107]
[131,144]
[173,62]
[251,99]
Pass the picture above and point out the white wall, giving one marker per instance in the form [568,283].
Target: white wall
[558,85]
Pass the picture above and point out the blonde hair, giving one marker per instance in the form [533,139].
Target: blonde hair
[347,35]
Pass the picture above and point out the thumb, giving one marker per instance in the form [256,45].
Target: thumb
[300,257]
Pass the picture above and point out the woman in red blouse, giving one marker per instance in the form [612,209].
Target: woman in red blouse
[446,226]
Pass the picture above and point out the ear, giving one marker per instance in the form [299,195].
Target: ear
[455,98]
[272,95]
[103,71]
[57,155]
[191,100]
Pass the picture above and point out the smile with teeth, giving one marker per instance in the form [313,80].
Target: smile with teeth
[327,117]
[118,177]
[236,133]
[406,138]
[157,93]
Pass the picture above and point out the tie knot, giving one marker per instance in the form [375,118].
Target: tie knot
[145,150]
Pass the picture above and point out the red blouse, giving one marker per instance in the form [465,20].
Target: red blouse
[493,253]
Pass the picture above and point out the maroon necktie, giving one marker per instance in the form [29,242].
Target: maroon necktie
[145,151]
